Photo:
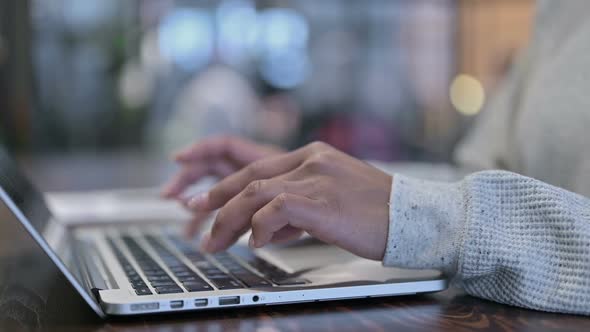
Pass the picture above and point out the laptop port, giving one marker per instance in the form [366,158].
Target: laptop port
[176,304]
[145,306]
[229,300]
[201,302]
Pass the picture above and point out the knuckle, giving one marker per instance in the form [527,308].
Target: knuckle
[281,203]
[323,156]
[326,206]
[256,168]
[317,145]
[317,185]
[318,160]
[253,188]
[284,185]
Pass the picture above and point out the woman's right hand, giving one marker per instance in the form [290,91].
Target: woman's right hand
[217,156]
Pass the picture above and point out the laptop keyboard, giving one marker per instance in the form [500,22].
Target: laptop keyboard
[237,274]
[220,270]
[156,276]
[133,277]
[160,279]
[276,275]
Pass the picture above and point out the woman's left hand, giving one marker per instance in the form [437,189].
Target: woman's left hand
[317,189]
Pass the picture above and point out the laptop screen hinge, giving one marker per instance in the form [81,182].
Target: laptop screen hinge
[89,262]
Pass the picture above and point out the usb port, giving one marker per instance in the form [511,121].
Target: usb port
[176,304]
[201,302]
[145,306]
[229,300]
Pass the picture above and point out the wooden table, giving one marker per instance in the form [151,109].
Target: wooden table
[52,305]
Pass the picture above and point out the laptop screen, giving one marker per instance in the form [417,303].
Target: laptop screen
[23,193]
[47,233]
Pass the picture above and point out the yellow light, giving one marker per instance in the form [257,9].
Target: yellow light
[467,94]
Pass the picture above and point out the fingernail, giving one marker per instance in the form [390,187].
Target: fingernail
[199,201]
[251,242]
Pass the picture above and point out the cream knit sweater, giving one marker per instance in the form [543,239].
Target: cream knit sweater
[502,236]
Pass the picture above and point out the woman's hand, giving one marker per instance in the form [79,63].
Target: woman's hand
[317,189]
[218,156]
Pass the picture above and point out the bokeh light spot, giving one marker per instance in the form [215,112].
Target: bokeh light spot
[467,94]
[186,38]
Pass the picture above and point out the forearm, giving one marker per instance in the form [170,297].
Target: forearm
[502,236]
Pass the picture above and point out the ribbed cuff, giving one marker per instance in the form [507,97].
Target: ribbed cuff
[426,225]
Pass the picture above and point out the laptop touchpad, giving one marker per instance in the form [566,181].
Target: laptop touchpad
[306,253]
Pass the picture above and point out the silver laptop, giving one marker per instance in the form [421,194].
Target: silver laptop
[145,267]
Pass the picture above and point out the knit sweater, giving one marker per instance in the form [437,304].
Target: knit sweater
[502,236]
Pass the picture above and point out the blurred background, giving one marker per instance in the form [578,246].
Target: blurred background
[380,79]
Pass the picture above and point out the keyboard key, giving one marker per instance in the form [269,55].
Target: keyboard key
[168,289]
[138,284]
[246,276]
[210,273]
[159,278]
[184,274]
[135,278]
[190,278]
[195,256]
[290,281]
[196,286]
[254,281]
[226,283]
[239,276]
[180,270]
[269,270]
[163,283]
[158,273]
[143,291]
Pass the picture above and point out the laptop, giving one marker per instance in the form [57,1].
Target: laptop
[143,267]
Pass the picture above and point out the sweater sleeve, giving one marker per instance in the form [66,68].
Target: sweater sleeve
[424,170]
[501,236]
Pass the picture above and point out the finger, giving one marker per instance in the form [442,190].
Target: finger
[185,177]
[234,218]
[286,234]
[195,224]
[221,168]
[229,187]
[189,174]
[209,148]
[286,210]
[238,150]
